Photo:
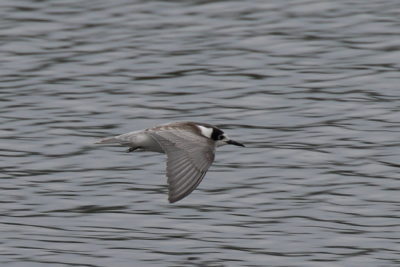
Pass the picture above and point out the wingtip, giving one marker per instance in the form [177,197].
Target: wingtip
[172,200]
[174,197]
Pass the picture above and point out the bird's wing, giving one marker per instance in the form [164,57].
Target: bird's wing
[188,158]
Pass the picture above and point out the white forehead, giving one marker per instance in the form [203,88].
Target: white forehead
[205,131]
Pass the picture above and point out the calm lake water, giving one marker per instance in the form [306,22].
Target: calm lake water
[311,87]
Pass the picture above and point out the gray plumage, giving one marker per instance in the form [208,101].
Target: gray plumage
[190,149]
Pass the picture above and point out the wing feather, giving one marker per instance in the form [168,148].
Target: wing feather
[188,158]
[182,192]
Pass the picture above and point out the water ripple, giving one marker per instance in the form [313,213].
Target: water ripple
[310,87]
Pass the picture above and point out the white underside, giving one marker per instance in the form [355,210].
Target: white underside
[141,140]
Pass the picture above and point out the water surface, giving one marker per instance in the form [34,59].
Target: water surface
[311,87]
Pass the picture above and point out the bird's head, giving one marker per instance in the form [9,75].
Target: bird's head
[217,135]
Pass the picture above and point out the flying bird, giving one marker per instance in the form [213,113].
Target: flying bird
[190,149]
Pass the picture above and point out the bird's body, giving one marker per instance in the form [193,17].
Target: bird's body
[190,148]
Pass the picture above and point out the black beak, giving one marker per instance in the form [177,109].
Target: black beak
[231,142]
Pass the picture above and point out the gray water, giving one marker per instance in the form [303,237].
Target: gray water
[311,87]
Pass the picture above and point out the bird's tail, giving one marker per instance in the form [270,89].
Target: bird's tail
[108,140]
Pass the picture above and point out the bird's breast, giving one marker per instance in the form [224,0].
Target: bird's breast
[146,142]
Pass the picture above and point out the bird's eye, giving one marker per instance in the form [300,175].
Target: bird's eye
[221,137]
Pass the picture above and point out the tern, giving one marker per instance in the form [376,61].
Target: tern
[189,146]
